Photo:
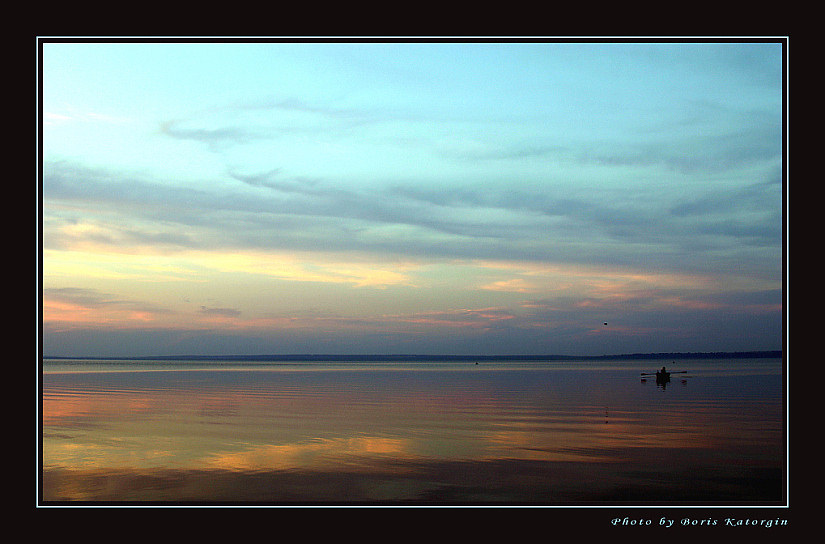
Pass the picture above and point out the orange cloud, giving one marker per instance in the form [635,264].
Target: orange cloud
[516,285]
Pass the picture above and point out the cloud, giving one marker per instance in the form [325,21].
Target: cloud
[457,318]
[221,312]
[293,104]
[515,285]
[70,308]
[275,179]
[246,122]
[709,137]
[551,327]
[643,208]
[756,197]
[269,211]
[82,297]
[216,138]
[52,118]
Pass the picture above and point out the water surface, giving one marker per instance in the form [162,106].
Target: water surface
[419,432]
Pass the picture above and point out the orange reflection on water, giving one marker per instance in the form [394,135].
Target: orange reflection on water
[164,424]
[317,454]
[243,430]
[70,409]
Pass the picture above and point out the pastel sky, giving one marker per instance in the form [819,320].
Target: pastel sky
[421,197]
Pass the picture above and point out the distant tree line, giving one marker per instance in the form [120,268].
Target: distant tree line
[413,357]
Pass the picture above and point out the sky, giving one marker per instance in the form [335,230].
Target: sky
[410,197]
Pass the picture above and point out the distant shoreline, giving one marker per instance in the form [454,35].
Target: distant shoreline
[413,357]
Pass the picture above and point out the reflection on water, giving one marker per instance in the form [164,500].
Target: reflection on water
[435,433]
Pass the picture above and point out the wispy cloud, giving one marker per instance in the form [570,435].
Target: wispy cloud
[71,308]
[223,312]
[71,115]
[471,222]
[215,138]
[242,123]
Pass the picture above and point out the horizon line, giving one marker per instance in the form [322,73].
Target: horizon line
[423,356]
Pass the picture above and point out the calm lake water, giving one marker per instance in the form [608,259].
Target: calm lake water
[413,433]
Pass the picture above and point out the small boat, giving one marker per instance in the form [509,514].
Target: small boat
[663,375]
